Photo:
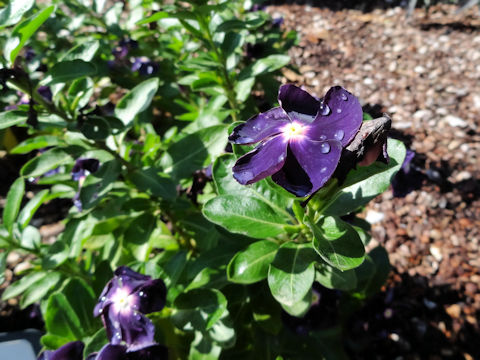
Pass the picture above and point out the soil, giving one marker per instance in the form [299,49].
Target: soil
[424,72]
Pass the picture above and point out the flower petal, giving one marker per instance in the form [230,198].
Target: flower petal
[259,127]
[153,352]
[132,327]
[265,160]
[318,159]
[151,296]
[343,119]
[112,352]
[292,177]
[297,103]
[70,351]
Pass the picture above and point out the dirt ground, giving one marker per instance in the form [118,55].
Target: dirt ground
[425,73]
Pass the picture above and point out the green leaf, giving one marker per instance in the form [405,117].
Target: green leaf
[84,51]
[203,348]
[80,92]
[82,300]
[374,273]
[31,207]
[95,342]
[49,160]
[365,183]
[194,151]
[98,184]
[14,11]
[37,290]
[95,128]
[12,205]
[199,309]
[55,255]
[152,181]
[137,236]
[333,278]
[244,215]
[68,70]
[136,100]
[155,17]
[34,143]
[227,185]
[337,243]
[18,287]
[251,265]
[243,88]
[31,238]
[291,273]
[299,309]
[264,65]
[23,31]
[61,320]
[3,266]
[12,117]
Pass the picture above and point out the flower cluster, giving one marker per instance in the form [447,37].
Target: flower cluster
[122,305]
[300,142]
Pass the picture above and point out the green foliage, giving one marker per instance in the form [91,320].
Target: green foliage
[151,90]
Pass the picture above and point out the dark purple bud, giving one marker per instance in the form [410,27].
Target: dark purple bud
[45,92]
[70,351]
[29,54]
[300,142]
[277,22]
[122,304]
[408,178]
[84,167]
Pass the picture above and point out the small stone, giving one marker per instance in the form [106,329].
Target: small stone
[462,176]
[13,258]
[454,311]
[455,121]
[374,217]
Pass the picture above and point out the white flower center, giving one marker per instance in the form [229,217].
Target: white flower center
[294,131]
[122,301]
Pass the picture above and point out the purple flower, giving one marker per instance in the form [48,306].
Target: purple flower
[119,352]
[84,167]
[124,46]
[408,178]
[300,142]
[144,66]
[123,303]
[45,92]
[70,351]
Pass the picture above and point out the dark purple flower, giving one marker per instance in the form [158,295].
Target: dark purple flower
[45,92]
[70,351]
[83,167]
[124,46]
[277,22]
[123,303]
[119,352]
[408,177]
[300,141]
[144,66]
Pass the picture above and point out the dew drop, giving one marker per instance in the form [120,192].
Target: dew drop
[339,134]
[323,169]
[344,96]
[325,148]
[281,158]
[100,311]
[324,109]
[141,294]
[339,110]
[322,137]
[103,298]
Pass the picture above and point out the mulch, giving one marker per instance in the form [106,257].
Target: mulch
[425,73]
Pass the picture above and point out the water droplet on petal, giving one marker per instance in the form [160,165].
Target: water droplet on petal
[141,294]
[103,298]
[339,110]
[281,158]
[325,148]
[324,109]
[343,96]
[339,134]
[323,169]
[322,137]
[100,311]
